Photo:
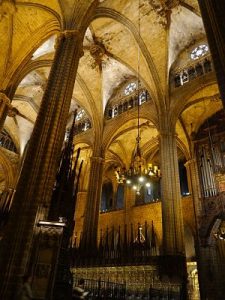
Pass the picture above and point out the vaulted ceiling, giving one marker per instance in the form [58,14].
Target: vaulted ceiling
[125,39]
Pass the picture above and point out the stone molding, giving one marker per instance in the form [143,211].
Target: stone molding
[4,99]
[97,159]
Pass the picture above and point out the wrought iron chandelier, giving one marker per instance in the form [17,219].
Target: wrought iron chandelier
[139,173]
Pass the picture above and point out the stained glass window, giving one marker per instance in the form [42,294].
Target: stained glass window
[199,51]
[130,88]
[80,115]
[142,97]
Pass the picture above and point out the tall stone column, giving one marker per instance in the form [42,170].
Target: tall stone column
[34,189]
[213,18]
[173,232]
[5,105]
[194,186]
[91,216]
[173,261]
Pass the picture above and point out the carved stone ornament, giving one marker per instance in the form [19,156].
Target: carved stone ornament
[163,9]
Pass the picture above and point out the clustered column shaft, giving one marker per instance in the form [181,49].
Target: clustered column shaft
[91,217]
[194,186]
[173,236]
[41,162]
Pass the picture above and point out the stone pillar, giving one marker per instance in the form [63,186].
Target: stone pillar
[194,186]
[5,105]
[34,189]
[91,216]
[173,262]
[79,215]
[213,17]
[173,232]
[129,202]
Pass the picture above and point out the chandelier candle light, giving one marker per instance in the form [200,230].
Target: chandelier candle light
[139,174]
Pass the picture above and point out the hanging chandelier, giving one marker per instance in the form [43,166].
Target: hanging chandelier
[139,173]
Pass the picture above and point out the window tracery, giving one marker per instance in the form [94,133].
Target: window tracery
[142,97]
[130,88]
[190,72]
[82,121]
[120,106]
[148,194]
[80,115]
[199,51]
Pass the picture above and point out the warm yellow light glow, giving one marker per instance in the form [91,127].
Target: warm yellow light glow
[148,184]
[141,179]
[128,181]
[134,187]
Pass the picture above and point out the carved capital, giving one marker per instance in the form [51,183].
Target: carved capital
[66,34]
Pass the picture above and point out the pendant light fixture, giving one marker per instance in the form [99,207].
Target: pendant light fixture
[139,173]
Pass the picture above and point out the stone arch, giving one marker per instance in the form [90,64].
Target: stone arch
[111,131]
[95,116]
[106,12]
[33,65]
[24,56]
[42,7]
[180,106]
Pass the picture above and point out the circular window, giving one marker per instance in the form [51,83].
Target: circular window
[199,51]
[130,88]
